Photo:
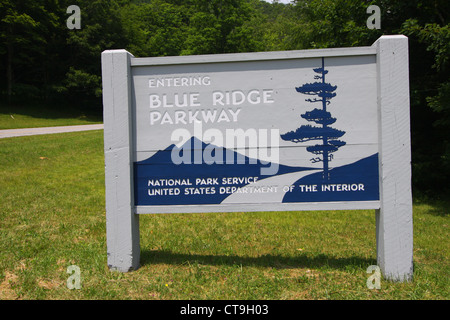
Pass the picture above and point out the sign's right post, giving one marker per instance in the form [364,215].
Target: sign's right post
[394,219]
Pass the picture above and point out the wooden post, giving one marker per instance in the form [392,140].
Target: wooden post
[394,227]
[122,224]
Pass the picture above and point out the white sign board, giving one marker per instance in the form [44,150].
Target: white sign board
[275,131]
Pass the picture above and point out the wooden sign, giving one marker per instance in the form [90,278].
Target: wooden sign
[273,131]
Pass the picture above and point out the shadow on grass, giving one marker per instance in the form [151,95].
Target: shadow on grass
[440,208]
[437,207]
[149,257]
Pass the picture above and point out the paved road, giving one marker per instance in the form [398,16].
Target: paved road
[47,130]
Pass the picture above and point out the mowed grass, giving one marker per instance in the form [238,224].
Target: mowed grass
[22,116]
[52,216]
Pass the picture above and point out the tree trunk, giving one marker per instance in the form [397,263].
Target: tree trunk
[9,65]
[324,126]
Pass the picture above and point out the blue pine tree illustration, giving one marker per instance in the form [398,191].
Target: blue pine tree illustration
[328,136]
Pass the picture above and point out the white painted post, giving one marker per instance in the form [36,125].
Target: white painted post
[394,226]
[122,224]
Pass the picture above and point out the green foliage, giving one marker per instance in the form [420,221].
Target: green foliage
[332,23]
[25,45]
[102,29]
[83,81]
[436,38]
[154,29]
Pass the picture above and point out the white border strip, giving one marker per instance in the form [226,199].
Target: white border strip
[253,56]
[251,207]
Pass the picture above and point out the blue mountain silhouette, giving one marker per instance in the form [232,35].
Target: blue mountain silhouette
[160,166]
[344,184]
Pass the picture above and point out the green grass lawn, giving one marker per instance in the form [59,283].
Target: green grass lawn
[52,216]
[20,116]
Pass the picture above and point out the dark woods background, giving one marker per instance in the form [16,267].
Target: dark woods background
[45,63]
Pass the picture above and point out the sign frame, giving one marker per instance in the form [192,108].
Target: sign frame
[394,228]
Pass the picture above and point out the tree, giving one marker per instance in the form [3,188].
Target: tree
[328,135]
[219,26]
[25,27]
[101,29]
[431,153]
[331,23]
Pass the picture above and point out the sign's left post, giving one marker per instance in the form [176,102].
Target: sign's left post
[122,224]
